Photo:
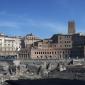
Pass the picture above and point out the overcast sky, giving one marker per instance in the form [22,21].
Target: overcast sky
[40,17]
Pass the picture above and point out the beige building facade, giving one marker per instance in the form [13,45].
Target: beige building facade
[59,46]
[29,39]
[51,49]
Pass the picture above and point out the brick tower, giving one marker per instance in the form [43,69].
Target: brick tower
[71,27]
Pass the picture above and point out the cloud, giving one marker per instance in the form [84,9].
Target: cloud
[48,26]
[23,24]
[8,24]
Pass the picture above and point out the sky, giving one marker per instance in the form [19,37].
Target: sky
[43,18]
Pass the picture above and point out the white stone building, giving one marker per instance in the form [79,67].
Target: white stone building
[9,45]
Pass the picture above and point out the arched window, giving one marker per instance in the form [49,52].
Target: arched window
[41,57]
[37,56]
[50,56]
[46,57]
